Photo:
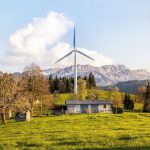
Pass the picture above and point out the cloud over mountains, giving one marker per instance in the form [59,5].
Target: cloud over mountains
[41,42]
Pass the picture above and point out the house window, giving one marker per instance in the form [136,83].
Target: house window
[104,105]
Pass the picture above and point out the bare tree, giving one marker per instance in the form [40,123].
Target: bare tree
[33,85]
[7,93]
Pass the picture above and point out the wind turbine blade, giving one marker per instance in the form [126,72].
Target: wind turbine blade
[74,39]
[64,56]
[84,54]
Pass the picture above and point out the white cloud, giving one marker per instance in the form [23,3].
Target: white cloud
[39,42]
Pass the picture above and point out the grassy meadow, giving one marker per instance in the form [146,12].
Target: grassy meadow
[79,132]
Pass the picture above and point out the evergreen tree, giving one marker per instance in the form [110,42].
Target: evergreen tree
[146,107]
[64,86]
[69,86]
[91,81]
[51,83]
[128,103]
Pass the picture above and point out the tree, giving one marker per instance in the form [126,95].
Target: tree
[87,81]
[59,85]
[117,99]
[33,85]
[69,86]
[91,81]
[142,89]
[93,94]
[146,107]
[128,103]
[7,93]
[51,83]
[82,89]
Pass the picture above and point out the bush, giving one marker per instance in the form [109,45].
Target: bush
[118,111]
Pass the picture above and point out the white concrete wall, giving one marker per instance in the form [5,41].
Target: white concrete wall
[73,108]
[103,109]
[77,108]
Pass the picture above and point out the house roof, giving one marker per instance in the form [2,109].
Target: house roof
[76,102]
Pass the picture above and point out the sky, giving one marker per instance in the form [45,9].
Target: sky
[110,31]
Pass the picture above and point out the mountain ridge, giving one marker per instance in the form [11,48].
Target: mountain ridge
[105,75]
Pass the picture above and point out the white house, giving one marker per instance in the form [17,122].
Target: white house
[89,106]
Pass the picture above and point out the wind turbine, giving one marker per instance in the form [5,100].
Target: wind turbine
[75,51]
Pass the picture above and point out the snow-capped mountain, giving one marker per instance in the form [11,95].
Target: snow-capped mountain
[105,75]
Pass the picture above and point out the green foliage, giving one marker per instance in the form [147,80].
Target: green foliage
[65,85]
[91,81]
[146,107]
[61,98]
[128,102]
[82,92]
[138,107]
[96,132]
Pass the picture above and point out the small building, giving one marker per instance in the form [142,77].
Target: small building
[23,116]
[59,109]
[88,106]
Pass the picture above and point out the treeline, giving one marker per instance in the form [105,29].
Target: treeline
[66,85]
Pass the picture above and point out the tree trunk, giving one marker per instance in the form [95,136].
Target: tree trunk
[3,117]
[31,114]
[41,109]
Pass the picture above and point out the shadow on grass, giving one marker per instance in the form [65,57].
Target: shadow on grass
[118,148]
[27,144]
[70,143]
[125,138]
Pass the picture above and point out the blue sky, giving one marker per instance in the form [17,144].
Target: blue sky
[118,29]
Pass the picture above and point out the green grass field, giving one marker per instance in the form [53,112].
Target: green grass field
[129,131]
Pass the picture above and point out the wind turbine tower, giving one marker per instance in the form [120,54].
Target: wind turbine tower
[75,51]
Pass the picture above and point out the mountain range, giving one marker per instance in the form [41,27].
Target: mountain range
[105,75]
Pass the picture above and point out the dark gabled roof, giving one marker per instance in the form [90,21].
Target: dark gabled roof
[76,102]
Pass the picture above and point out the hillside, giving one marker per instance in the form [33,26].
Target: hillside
[131,86]
[128,86]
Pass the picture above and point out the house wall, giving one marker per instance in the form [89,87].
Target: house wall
[93,108]
[28,116]
[105,108]
[73,109]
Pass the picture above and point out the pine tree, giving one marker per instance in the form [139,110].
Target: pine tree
[91,80]
[128,103]
[125,101]
[51,83]
[64,83]
[69,86]
[146,107]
